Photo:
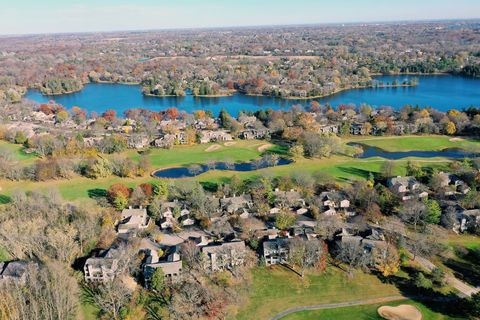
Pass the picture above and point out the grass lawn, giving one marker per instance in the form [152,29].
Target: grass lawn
[418,143]
[468,241]
[17,152]
[241,151]
[88,312]
[277,289]
[341,169]
[367,312]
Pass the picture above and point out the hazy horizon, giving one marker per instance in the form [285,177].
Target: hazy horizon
[54,16]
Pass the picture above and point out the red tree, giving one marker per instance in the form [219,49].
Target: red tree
[110,115]
[172,113]
[116,190]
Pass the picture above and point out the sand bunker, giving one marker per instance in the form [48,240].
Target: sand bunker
[264,147]
[455,139]
[229,144]
[213,148]
[402,312]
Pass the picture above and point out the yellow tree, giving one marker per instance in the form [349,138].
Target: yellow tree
[450,128]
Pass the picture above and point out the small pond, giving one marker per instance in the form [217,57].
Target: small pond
[453,153]
[195,170]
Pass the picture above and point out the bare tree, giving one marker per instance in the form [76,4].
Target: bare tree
[111,297]
[49,292]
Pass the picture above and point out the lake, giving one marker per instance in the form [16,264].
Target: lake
[187,172]
[442,92]
[452,153]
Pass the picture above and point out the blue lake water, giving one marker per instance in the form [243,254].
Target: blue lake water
[442,92]
[452,153]
[186,172]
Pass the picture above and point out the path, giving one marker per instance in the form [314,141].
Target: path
[465,290]
[338,305]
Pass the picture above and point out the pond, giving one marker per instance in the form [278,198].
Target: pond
[192,171]
[452,153]
[442,92]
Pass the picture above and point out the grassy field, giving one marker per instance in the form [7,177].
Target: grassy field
[277,289]
[467,241]
[367,312]
[419,143]
[340,168]
[17,152]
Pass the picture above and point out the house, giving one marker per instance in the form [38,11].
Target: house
[468,220]
[275,251]
[290,199]
[251,134]
[406,187]
[235,203]
[456,185]
[14,271]
[215,136]
[327,129]
[331,201]
[224,256]
[357,129]
[137,141]
[102,268]
[171,268]
[133,221]
[166,141]
[403,184]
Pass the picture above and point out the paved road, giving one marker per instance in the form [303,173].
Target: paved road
[339,305]
[465,290]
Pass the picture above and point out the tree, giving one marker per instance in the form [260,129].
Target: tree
[20,137]
[449,218]
[304,254]
[421,281]
[118,193]
[110,115]
[414,212]
[284,219]
[388,169]
[157,282]
[450,128]
[414,169]
[327,226]
[387,260]
[111,297]
[49,292]
[434,212]
[474,304]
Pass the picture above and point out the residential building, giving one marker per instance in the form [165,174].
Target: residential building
[102,268]
[224,256]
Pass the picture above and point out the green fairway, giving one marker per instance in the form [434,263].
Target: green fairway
[277,289]
[419,143]
[366,312]
[237,151]
[17,152]
[342,169]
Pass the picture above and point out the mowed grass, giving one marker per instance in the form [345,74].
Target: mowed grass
[419,143]
[240,151]
[341,169]
[366,312]
[17,152]
[467,241]
[277,289]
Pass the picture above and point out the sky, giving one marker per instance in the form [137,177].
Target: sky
[63,16]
